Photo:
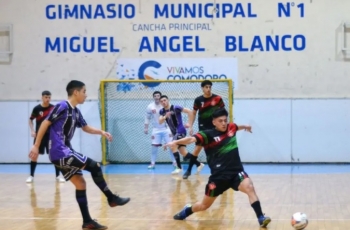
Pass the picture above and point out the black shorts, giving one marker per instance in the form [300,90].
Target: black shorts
[71,165]
[179,136]
[215,188]
[44,144]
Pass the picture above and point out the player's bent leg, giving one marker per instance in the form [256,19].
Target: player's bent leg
[193,161]
[167,138]
[80,195]
[176,154]
[246,186]
[212,191]
[96,172]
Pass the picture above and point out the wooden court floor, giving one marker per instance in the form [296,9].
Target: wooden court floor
[44,205]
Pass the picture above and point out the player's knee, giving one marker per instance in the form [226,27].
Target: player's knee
[247,186]
[93,167]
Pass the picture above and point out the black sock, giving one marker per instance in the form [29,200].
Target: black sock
[97,176]
[57,171]
[80,195]
[177,158]
[193,160]
[257,208]
[188,211]
[32,167]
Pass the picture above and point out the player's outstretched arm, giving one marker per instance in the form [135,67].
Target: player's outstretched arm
[247,128]
[183,141]
[92,130]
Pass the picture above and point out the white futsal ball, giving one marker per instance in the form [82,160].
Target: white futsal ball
[299,221]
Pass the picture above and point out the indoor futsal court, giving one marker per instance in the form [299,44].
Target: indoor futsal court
[174,114]
[321,191]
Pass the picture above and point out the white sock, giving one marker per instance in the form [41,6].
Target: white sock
[154,154]
[172,157]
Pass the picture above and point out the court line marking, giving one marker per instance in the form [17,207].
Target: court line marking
[134,219]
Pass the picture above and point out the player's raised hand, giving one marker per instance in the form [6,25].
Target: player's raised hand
[107,135]
[34,152]
[248,129]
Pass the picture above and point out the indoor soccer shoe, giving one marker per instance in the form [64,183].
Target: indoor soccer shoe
[186,175]
[93,225]
[117,201]
[151,166]
[182,214]
[264,221]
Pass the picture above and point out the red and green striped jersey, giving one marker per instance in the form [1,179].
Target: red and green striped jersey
[206,107]
[222,151]
[39,113]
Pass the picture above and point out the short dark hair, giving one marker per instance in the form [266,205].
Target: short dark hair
[219,113]
[74,85]
[46,93]
[164,96]
[206,82]
[156,92]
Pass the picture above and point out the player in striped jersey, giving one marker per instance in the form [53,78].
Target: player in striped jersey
[205,104]
[227,171]
[63,121]
[172,114]
[39,113]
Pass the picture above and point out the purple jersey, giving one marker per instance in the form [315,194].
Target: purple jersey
[175,120]
[64,120]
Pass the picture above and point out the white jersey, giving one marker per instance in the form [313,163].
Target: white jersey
[152,113]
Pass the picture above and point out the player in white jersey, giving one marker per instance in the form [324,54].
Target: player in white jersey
[160,132]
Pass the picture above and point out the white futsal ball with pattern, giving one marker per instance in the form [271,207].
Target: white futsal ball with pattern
[299,221]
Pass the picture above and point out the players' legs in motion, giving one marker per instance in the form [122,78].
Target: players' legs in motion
[168,137]
[176,155]
[212,191]
[71,169]
[185,153]
[96,173]
[156,143]
[246,186]
[33,163]
[194,161]
[154,153]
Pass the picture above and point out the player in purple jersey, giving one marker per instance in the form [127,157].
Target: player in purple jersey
[172,114]
[63,120]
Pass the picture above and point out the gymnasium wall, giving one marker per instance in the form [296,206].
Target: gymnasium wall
[292,82]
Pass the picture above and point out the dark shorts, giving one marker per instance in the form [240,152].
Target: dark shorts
[215,188]
[44,146]
[179,136]
[71,165]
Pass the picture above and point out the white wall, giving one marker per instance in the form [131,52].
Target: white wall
[320,70]
[15,133]
[284,130]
